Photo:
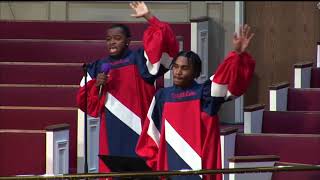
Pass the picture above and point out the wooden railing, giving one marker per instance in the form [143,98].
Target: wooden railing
[173,173]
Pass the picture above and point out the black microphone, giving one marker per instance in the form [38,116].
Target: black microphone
[105,68]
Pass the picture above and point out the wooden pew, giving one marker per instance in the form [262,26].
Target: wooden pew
[259,120]
[284,98]
[295,148]
[35,152]
[295,175]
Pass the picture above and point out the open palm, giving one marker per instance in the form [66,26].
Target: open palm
[242,40]
[140,9]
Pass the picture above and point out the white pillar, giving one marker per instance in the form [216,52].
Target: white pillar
[57,149]
[318,54]
[227,138]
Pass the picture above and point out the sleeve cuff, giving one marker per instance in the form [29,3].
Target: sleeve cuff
[155,21]
[94,90]
[243,54]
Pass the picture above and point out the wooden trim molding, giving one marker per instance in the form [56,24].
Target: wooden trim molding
[254,107]
[200,19]
[303,64]
[279,85]
[228,130]
[258,158]
[57,127]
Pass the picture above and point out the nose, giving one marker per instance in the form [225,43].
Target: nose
[178,71]
[112,41]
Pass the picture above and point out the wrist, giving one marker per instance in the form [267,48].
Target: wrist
[148,16]
[237,51]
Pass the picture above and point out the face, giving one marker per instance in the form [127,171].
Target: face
[116,41]
[182,72]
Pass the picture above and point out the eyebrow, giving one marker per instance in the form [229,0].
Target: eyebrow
[189,65]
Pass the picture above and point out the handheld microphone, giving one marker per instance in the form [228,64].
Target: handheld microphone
[105,68]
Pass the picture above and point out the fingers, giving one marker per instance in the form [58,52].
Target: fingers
[251,36]
[241,31]
[135,4]
[235,35]
[245,32]
[132,5]
[142,3]
[101,78]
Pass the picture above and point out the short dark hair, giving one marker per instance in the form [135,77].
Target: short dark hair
[193,58]
[124,28]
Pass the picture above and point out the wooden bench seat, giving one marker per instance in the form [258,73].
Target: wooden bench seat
[289,147]
[40,73]
[37,95]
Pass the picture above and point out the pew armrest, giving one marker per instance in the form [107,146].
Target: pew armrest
[302,74]
[278,95]
[228,138]
[253,118]
[252,161]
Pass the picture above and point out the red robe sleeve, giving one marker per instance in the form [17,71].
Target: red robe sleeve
[95,105]
[233,76]
[148,143]
[159,38]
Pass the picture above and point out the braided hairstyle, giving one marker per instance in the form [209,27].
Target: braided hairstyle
[193,58]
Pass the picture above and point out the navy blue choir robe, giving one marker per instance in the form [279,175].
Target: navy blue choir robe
[128,91]
[181,130]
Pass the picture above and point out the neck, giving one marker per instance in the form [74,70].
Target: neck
[185,86]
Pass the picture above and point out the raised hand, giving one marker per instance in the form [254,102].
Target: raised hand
[242,40]
[141,9]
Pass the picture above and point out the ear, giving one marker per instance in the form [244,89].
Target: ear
[195,73]
[128,41]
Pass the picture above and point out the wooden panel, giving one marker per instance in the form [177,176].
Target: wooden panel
[315,78]
[40,73]
[291,122]
[56,96]
[58,51]
[33,118]
[37,119]
[286,33]
[300,99]
[287,146]
[22,154]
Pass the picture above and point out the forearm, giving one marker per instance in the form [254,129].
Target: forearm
[93,102]
[148,16]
